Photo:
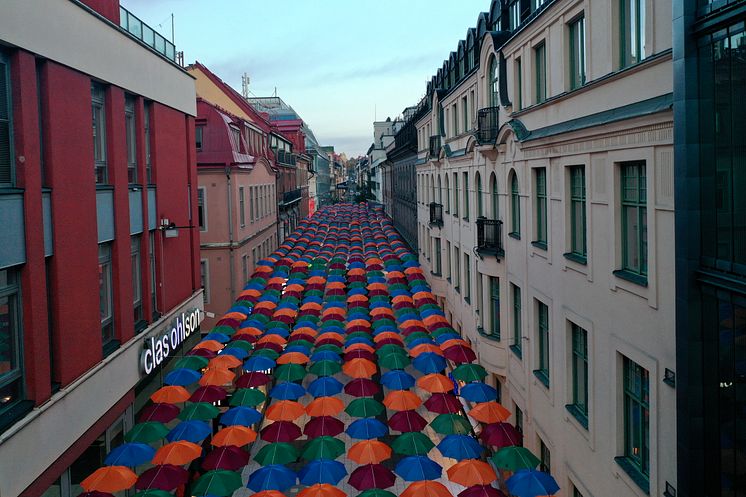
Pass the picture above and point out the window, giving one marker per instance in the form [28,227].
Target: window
[148,160]
[577,212]
[480,303]
[495,307]
[136,279]
[515,208]
[480,198]
[244,269]
[99,134]
[467,278]
[153,281]
[579,361]
[236,139]
[514,14]
[632,31]
[440,191]
[493,196]
[473,105]
[130,130]
[466,196]
[542,318]
[518,418]
[437,257]
[448,195]
[456,195]
[636,417]
[465,113]
[204,274]
[634,218]
[252,193]
[456,270]
[448,260]
[106,293]
[198,134]
[454,117]
[202,208]
[517,331]
[7,156]
[493,82]
[540,72]
[241,206]
[545,457]
[576,492]
[518,84]
[11,338]
[577,53]
[540,177]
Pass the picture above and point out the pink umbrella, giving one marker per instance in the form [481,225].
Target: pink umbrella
[406,421]
[209,393]
[443,403]
[370,476]
[501,435]
[163,477]
[362,387]
[159,412]
[227,457]
[323,426]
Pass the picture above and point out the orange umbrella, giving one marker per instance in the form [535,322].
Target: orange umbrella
[401,298]
[235,315]
[434,318]
[381,311]
[319,490]
[300,264]
[489,412]
[212,345]
[170,395]
[234,435]
[250,330]
[293,358]
[178,453]
[333,335]
[395,274]
[269,493]
[413,270]
[272,339]
[358,322]
[360,346]
[426,488]
[435,383]
[251,292]
[315,280]
[263,269]
[217,376]
[412,322]
[386,335]
[277,280]
[225,361]
[373,260]
[294,287]
[335,285]
[423,295]
[334,310]
[325,406]
[357,298]
[285,410]
[369,452]
[359,368]
[425,347]
[304,330]
[378,286]
[311,306]
[356,271]
[402,400]
[452,342]
[265,304]
[470,472]
[109,479]
[286,312]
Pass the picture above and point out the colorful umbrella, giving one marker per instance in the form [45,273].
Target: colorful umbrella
[325,406]
[325,386]
[191,431]
[281,431]
[170,395]
[443,403]
[426,489]
[271,477]
[228,457]
[285,410]
[287,391]
[413,443]
[130,454]
[402,400]
[365,407]
[159,412]
[237,436]
[163,477]
[179,452]
[362,387]
[514,458]
[489,412]
[146,432]
[418,468]
[376,492]
[323,426]
[324,447]
[501,435]
[209,393]
[369,452]
[109,479]
[244,416]
[451,424]
[469,372]
[247,397]
[481,491]
[435,383]
[366,429]
[370,476]
[530,483]
[219,483]
[407,421]
[460,447]
[320,490]
[276,453]
[471,472]
[322,471]
[199,410]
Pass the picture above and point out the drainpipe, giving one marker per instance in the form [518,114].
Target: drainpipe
[231,255]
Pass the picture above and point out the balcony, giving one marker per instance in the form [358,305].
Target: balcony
[141,31]
[436,214]
[289,198]
[488,124]
[490,237]
[284,157]
[435,143]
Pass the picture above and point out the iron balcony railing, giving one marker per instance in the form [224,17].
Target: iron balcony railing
[490,236]
[487,124]
[291,196]
[436,214]
[284,157]
[435,142]
[138,29]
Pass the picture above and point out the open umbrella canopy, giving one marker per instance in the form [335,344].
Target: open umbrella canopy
[322,471]
[515,458]
[372,476]
[130,454]
[271,477]
[237,436]
[323,447]
[489,412]
[413,443]
[247,397]
[426,489]
[369,452]
[501,435]
[443,403]
[280,431]
[531,483]
[244,416]
[460,447]
[478,392]
[323,426]
[481,491]
[325,406]
[362,387]
[471,472]
[276,453]
[469,372]
[192,431]
[435,383]
[179,452]
[285,410]
[146,432]
[109,479]
[321,490]
[366,429]
[451,424]
[163,477]
[287,391]
[365,407]
[402,400]
[418,468]
[407,421]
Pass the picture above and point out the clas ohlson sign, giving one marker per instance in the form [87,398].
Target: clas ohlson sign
[157,347]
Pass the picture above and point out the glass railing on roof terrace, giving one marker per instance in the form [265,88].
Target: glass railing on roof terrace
[135,27]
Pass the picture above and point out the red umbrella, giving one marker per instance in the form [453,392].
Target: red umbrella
[202,352]
[96,493]
[406,421]
[443,403]
[227,457]
[370,476]
[501,435]
[253,379]
[360,354]
[323,426]
[387,341]
[281,431]
[362,387]
[163,477]
[209,393]
[329,341]
[269,345]
[481,491]
[159,412]
[460,354]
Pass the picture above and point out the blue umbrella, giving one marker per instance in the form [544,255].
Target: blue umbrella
[192,431]
[530,483]
[441,339]
[239,354]
[332,329]
[398,291]
[259,363]
[354,340]
[478,392]
[419,341]
[298,348]
[242,415]
[367,429]
[429,362]
[397,380]
[287,391]
[312,298]
[417,468]
[218,337]
[130,454]
[271,477]
[278,331]
[460,447]
[410,263]
[322,471]
[325,355]
[182,377]
[326,386]
[357,291]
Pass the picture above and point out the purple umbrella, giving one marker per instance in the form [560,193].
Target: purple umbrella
[281,431]
[460,354]
[406,421]
[323,426]
[443,403]
[501,435]
[209,393]
[362,387]
[360,354]
[481,491]
[163,477]
[159,412]
[370,476]
[253,379]
[227,457]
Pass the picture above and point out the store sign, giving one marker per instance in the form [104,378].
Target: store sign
[158,346]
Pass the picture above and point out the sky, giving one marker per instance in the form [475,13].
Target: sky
[339,63]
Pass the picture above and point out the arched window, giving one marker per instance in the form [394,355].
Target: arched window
[448,195]
[515,207]
[493,196]
[440,191]
[492,91]
[480,202]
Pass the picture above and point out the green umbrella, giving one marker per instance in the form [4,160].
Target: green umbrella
[376,492]
[146,432]
[442,330]
[428,306]
[398,286]
[394,361]
[383,322]
[333,322]
[391,348]
[247,397]
[153,492]
[267,352]
[278,324]
[218,482]
[357,308]
[224,328]
[357,334]
[244,303]
[194,362]
[379,298]
[261,317]
[364,407]
[514,458]
[470,372]
[199,410]
[451,424]
[314,293]
[276,453]
[413,443]
[357,284]
[290,372]
[302,343]
[325,368]
[323,448]
[413,336]
[240,344]
[375,272]
[331,347]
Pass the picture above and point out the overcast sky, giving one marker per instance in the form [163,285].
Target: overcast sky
[338,63]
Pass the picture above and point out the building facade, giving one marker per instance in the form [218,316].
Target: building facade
[546,217]
[383,135]
[98,184]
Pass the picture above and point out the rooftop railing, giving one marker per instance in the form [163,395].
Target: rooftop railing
[141,31]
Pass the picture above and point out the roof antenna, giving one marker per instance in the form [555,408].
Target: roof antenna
[245,81]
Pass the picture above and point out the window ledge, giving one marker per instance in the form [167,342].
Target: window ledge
[437,275]
[517,236]
[15,412]
[634,472]
[467,300]
[580,259]
[637,279]
[140,325]
[517,351]
[104,187]
[490,336]
[539,245]
[110,347]
[543,376]
[578,414]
